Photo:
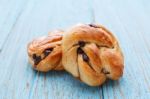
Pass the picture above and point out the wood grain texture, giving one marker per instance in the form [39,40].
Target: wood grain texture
[18,80]
[10,10]
[130,23]
[23,20]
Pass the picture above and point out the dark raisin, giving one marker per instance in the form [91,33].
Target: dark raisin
[80,51]
[34,56]
[81,43]
[85,57]
[47,51]
[93,25]
[104,71]
[36,59]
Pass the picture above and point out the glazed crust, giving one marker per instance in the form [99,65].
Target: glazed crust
[45,53]
[92,54]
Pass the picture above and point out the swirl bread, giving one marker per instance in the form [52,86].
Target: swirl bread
[91,53]
[45,53]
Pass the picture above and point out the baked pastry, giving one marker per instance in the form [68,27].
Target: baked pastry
[45,53]
[88,51]
[91,53]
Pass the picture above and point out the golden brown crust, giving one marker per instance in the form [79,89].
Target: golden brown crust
[45,53]
[89,52]
[92,54]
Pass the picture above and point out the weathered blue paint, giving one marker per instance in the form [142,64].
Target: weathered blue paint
[23,20]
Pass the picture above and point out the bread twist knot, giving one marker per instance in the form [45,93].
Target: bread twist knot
[91,53]
[45,53]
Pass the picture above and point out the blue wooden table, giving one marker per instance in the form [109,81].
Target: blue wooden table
[23,20]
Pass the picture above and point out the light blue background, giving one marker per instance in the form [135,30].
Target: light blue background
[23,20]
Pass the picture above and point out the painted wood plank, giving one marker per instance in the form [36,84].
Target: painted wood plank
[18,80]
[10,11]
[145,6]
[127,20]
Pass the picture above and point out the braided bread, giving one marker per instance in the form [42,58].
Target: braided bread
[45,53]
[91,53]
